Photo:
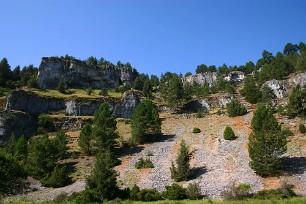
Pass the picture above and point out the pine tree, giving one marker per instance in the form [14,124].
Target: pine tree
[145,123]
[85,139]
[229,133]
[102,182]
[182,171]
[235,108]
[267,142]
[104,129]
[250,91]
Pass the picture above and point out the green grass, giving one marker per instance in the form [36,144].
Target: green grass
[80,93]
[296,200]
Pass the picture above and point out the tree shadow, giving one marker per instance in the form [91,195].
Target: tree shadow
[294,165]
[164,138]
[197,172]
[70,166]
[129,151]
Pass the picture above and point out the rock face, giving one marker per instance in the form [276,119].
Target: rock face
[78,74]
[207,77]
[235,76]
[208,103]
[17,123]
[282,88]
[32,103]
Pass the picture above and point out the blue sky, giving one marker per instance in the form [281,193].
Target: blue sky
[153,35]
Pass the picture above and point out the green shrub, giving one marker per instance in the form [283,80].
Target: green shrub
[32,83]
[193,191]
[89,91]
[58,178]
[280,193]
[44,123]
[237,192]
[200,113]
[196,130]
[103,92]
[175,192]
[149,195]
[287,132]
[60,198]
[229,133]
[235,108]
[144,163]
[302,128]
[281,110]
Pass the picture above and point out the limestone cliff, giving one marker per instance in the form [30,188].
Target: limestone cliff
[208,77]
[77,74]
[17,123]
[33,103]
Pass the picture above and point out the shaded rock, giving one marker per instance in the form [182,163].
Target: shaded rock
[235,76]
[32,103]
[17,123]
[126,108]
[71,123]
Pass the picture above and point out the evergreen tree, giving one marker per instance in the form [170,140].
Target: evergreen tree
[58,178]
[12,175]
[102,181]
[266,143]
[104,129]
[235,108]
[250,90]
[171,89]
[60,142]
[61,86]
[145,123]
[229,133]
[85,139]
[182,170]
[296,104]
[5,72]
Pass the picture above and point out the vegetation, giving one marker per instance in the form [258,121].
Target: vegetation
[145,123]
[302,128]
[102,183]
[59,177]
[193,191]
[44,123]
[182,170]
[296,104]
[250,90]
[196,130]
[85,139]
[229,133]
[175,192]
[144,163]
[104,129]
[237,192]
[235,108]
[267,143]
[280,193]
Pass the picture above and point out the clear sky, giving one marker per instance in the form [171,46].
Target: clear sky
[153,35]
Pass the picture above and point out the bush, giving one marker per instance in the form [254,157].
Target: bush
[149,195]
[193,191]
[200,113]
[175,192]
[44,123]
[302,128]
[237,192]
[235,108]
[229,133]
[60,198]
[280,193]
[196,130]
[144,163]
[89,91]
[103,92]
[58,178]
[287,132]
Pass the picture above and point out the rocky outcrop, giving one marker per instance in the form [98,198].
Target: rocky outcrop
[283,88]
[207,77]
[33,103]
[77,74]
[70,123]
[17,123]
[208,103]
[235,76]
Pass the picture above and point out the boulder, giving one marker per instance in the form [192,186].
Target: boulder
[17,123]
[235,76]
